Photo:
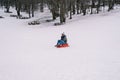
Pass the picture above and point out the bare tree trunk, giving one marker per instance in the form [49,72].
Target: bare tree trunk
[62,12]
[73,7]
[53,14]
[70,10]
[98,6]
[32,9]
[18,8]
[78,6]
[41,6]
[110,4]
[92,6]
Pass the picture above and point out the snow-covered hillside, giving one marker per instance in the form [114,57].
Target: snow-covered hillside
[28,52]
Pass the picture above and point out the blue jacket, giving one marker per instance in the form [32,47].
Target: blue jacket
[64,38]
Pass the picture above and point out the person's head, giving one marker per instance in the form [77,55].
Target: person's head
[63,33]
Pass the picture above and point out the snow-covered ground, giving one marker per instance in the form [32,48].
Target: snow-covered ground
[28,52]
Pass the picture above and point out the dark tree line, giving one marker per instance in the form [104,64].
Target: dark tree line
[59,8]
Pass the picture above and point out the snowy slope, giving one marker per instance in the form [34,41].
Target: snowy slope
[28,52]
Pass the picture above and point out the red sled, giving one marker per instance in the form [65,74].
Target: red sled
[62,45]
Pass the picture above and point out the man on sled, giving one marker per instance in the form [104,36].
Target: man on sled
[62,42]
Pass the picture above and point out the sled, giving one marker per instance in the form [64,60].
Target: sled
[62,46]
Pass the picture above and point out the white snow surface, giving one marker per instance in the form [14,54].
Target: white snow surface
[28,52]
